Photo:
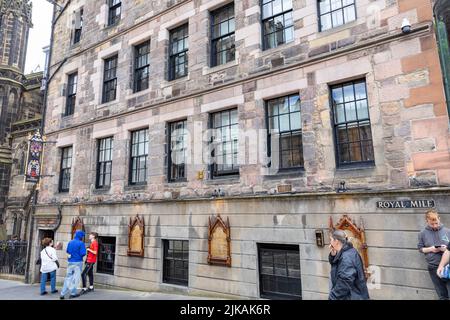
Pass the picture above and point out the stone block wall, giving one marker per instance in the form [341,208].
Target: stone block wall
[391,236]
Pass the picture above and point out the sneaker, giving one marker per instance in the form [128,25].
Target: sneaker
[90,289]
[61,298]
[83,291]
[44,293]
[74,296]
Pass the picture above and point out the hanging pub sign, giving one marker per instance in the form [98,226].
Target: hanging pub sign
[34,158]
[219,242]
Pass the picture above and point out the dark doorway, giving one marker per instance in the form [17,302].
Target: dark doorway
[279,271]
[42,234]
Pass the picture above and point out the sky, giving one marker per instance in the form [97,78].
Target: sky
[39,35]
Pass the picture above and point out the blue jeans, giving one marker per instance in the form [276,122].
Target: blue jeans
[52,281]
[73,278]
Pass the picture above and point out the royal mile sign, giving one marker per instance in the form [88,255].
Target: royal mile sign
[406,204]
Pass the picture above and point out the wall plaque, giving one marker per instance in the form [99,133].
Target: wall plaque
[219,242]
[406,204]
[77,224]
[356,235]
[136,230]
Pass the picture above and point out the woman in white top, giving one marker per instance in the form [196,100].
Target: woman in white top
[48,265]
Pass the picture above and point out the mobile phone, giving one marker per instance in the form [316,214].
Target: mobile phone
[437,247]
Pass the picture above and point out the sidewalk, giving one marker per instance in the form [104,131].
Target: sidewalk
[14,290]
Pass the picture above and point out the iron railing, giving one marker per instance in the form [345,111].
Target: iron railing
[13,257]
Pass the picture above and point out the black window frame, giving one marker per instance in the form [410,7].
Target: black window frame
[284,133]
[113,8]
[278,248]
[78,31]
[171,167]
[102,164]
[106,267]
[173,56]
[167,278]
[215,172]
[216,39]
[282,14]
[336,124]
[110,78]
[65,170]
[133,156]
[140,68]
[341,8]
[71,96]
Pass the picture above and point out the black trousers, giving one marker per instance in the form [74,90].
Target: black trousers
[88,270]
[442,286]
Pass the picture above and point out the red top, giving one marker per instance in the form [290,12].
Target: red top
[92,258]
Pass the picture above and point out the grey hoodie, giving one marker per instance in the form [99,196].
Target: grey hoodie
[429,238]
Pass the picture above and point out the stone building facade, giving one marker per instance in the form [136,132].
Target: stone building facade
[293,65]
[20,111]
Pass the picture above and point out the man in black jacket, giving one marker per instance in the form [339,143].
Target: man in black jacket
[348,281]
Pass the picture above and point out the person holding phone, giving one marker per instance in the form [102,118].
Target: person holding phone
[433,241]
[348,281]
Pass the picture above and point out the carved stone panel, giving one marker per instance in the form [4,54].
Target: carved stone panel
[136,231]
[219,242]
[77,224]
[356,235]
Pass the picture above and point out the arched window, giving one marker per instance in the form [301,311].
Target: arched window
[442,17]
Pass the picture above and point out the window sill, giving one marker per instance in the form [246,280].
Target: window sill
[100,191]
[268,52]
[325,33]
[176,183]
[138,93]
[355,171]
[107,104]
[136,187]
[208,70]
[286,174]
[231,179]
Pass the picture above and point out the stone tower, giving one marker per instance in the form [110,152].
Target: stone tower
[15,22]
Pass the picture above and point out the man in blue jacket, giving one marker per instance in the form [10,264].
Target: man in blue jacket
[76,250]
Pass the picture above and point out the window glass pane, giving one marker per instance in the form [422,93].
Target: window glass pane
[287,5]
[294,103]
[324,6]
[340,115]
[289,34]
[349,14]
[325,22]
[337,18]
[296,122]
[348,2]
[362,109]
[348,93]
[284,122]
[350,111]
[277,7]
[336,4]
[337,95]
[360,90]
[267,10]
